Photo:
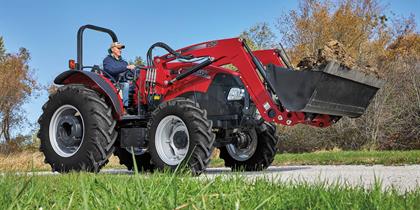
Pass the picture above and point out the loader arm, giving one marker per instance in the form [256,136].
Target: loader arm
[232,51]
[271,56]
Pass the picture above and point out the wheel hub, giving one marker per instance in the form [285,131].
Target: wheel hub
[69,129]
[245,145]
[180,139]
[242,140]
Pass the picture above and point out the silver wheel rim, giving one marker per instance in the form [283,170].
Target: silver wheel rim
[172,140]
[243,154]
[66,130]
[136,150]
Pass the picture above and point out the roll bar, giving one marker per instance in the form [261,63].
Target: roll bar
[80,41]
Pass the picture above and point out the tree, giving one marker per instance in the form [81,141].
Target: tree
[17,84]
[358,24]
[259,36]
[390,45]
[2,49]
[400,127]
[138,61]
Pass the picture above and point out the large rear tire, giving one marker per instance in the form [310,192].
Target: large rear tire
[258,156]
[77,130]
[179,133]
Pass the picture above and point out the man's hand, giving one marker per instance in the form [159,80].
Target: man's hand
[131,67]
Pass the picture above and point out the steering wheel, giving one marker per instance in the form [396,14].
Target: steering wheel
[128,75]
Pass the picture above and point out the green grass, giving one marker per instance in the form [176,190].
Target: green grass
[343,158]
[165,191]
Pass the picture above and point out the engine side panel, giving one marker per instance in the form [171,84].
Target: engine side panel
[222,112]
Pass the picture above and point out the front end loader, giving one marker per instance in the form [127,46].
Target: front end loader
[183,104]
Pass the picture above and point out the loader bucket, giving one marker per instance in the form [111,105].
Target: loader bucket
[332,90]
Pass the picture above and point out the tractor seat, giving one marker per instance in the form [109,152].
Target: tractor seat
[96,69]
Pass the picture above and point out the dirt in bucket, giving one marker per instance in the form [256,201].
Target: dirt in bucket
[333,51]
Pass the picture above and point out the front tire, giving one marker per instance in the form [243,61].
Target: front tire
[253,159]
[77,130]
[180,134]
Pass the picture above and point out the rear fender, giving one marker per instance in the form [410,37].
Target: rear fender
[96,82]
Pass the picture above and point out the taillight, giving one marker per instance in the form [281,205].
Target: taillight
[72,64]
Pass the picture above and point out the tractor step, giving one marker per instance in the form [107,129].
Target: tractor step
[332,90]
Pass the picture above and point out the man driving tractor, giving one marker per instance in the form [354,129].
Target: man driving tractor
[185,103]
[114,65]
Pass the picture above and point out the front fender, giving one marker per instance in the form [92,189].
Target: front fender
[96,82]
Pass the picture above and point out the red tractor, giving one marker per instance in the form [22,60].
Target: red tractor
[187,102]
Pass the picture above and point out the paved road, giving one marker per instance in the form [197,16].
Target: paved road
[402,177]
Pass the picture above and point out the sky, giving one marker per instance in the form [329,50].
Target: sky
[47,28]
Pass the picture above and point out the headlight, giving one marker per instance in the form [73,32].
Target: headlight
[236,94]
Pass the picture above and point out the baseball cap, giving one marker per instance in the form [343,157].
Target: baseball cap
[117,44]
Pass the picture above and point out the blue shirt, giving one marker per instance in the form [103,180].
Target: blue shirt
[114,66]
